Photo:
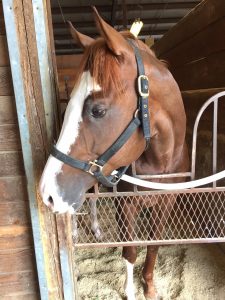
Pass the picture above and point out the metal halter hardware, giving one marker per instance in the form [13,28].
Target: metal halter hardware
[141,117]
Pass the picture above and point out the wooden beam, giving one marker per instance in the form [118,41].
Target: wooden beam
[67,37]
[46,67]
[207,12]
[119,21]
[67,258]
[200,45]
[47,61]
[23,54]
[130,7]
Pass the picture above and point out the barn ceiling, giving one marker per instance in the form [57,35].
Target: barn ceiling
[158,17]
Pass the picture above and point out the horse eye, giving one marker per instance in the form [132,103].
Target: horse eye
[98,112]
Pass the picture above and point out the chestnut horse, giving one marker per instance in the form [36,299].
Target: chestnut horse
[103,103]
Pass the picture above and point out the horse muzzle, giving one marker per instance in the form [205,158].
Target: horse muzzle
[63,203]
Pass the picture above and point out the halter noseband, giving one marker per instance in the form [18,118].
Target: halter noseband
[141,117]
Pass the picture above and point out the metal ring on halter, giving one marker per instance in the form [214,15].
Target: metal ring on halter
[136,112]
[94,164]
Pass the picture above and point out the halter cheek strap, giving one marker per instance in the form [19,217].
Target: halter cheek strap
[141,117]
[143,92]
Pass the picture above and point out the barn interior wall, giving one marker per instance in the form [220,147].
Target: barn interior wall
[18,278]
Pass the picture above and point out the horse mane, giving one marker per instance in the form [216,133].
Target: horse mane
[98,57]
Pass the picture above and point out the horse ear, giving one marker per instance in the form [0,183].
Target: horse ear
[81,39]
[115,41]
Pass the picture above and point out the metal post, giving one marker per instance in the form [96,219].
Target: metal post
[215,129]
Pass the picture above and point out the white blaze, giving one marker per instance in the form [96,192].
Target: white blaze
[68,135]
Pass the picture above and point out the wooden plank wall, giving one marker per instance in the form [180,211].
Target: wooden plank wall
[195,47]
[195,51]
[67,65]
[18,278]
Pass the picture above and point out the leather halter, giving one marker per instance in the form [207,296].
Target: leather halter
[141,117]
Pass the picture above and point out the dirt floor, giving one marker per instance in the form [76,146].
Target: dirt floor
[189,272]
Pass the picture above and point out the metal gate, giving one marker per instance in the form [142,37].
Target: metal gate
[155,217]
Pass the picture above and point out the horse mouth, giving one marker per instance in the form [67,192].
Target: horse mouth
[59,207]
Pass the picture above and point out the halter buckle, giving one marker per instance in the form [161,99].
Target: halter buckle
[143,86]
[93,164]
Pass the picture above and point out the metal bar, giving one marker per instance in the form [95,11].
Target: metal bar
[194,139]
[153,243]
[215,129]
[134,173]
[153,193]
[14,54]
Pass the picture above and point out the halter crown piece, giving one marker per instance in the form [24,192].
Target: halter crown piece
[141,118]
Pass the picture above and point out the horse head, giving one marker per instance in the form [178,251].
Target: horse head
[102,104]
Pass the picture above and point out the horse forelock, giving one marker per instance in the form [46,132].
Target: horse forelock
[104,67]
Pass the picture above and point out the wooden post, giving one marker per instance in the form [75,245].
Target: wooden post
[47,63]
[19,21]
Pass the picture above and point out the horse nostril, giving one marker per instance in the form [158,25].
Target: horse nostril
[50,202]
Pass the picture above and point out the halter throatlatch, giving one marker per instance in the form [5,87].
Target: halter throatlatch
[141,118]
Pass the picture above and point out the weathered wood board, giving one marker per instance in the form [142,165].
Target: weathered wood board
[15,236]
[11,163]
[9,138]
[16,260]
[195,47]
[201,17]
[4,56]
[6,87]
[8,110]
[22,283]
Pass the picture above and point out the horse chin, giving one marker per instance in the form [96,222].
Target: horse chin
[71,209]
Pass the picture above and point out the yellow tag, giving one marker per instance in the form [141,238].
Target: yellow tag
[149,41]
